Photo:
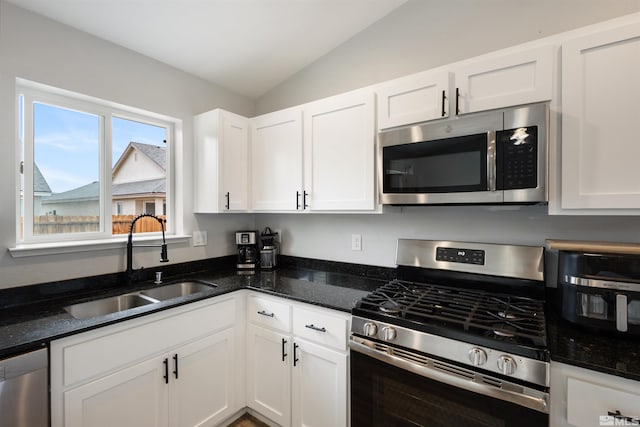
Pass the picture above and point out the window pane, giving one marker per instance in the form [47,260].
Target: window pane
[139,175]
[66,170]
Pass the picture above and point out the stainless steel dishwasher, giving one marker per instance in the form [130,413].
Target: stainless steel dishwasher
[24,394]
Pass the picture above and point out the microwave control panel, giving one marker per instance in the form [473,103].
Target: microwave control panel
[517,158]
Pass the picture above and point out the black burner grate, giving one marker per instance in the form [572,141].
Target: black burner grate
[501,317]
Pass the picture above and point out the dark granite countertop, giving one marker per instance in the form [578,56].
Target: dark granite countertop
[591,349]
[28,326]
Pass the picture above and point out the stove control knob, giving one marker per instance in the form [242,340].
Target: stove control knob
[506,365]
[477,356]
[370,329]
[388,333]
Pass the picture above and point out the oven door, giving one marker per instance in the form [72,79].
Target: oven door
[387,395]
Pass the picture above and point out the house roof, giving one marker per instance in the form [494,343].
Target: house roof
[152,186]
[40,185]
[92,191]
[84,193]
[156,154]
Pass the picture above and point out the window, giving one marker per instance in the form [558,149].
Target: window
[88,169]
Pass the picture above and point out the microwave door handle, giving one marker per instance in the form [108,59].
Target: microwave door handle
[621,312]
[491,160]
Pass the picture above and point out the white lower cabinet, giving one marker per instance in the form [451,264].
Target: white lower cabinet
[204,381]
[269,373]
[319,386]
[115,375]
[297,362]
[585,398]
[134,396]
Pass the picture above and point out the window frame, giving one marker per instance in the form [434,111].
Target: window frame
[105,111]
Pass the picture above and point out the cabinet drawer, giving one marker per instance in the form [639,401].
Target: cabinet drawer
[270,313]
[319,327]
[589,404]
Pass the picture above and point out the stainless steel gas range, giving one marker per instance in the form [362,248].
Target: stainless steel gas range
[458,339]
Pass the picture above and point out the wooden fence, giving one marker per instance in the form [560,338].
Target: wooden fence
[120,224]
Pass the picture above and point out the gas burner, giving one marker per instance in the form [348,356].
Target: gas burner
[505,315]
[505,331]
[390,307]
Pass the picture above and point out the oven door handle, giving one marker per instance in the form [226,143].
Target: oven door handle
[523,396]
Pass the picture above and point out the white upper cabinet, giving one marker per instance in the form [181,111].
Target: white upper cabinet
[497,80]
[413,99]
[600,115]
[339,147]
[221,161]
[327,165]
[520,77]
[276,153]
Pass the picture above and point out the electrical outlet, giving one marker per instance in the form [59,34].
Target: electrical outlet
[278,238]
[356,242]
[199,238]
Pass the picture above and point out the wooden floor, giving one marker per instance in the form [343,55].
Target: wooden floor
[247,421]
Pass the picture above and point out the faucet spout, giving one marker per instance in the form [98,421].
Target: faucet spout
[163,251]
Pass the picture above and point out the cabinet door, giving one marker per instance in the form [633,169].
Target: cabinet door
[413,99]
[276,153]
[221,161]
[319,386]
[235,162]
[339,142]
[132,397]
[202,386]
[517,78]
[269,374]
[582,398]
[600,112]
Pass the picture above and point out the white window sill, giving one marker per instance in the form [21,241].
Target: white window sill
[39,249]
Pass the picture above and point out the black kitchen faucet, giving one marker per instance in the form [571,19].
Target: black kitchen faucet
[131,275]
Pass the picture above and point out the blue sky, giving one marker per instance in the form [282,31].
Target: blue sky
[66,144]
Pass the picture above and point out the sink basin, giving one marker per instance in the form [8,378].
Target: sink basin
[105,306]
[123,302]
[175,290]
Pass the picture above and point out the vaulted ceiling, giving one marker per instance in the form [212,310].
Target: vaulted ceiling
[247,46]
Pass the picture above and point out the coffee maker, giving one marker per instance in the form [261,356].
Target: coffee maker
[268,249]
[247,242]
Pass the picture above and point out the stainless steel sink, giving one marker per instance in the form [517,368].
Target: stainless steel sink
[175,290]
[105,306]
[127,301]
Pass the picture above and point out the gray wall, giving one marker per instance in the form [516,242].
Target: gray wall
[424,34]
[38,49]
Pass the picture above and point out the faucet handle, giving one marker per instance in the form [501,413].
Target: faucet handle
[164,257]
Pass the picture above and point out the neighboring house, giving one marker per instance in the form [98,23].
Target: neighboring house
[138,186]
[139,180]
[41,190]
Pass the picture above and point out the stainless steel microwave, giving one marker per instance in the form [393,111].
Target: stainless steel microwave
[492,157]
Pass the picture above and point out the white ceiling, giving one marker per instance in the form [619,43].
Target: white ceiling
[247,46]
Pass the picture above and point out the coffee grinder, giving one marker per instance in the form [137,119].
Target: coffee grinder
[268,249]
[247,242]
